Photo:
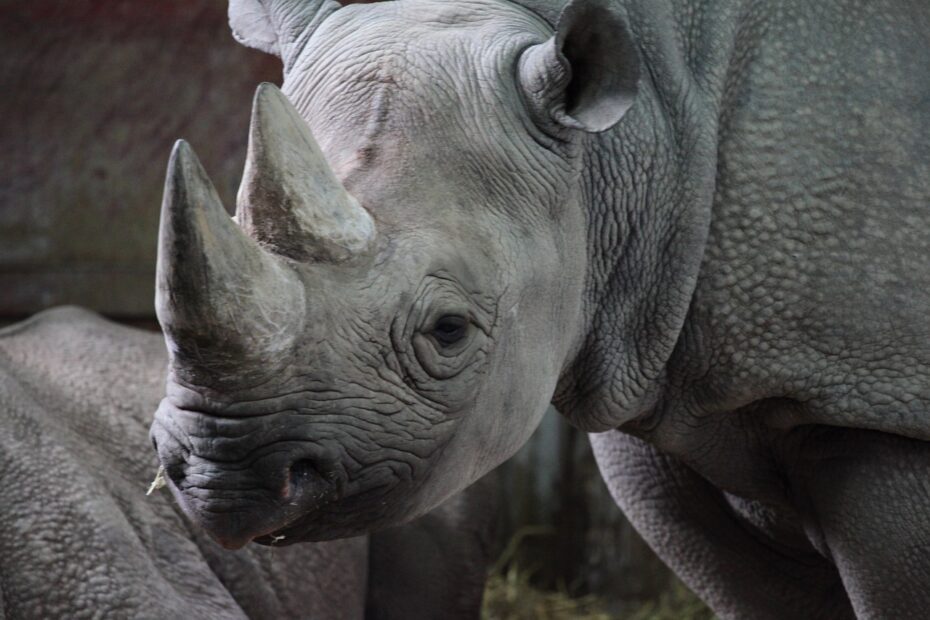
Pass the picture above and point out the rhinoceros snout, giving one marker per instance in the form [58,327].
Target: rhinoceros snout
[238,489]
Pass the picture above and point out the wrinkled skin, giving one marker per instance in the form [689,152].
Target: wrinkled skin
[79,538]
[731,281]
[364,421]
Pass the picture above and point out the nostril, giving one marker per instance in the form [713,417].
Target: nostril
[307,479]
[303,472]
[175,473]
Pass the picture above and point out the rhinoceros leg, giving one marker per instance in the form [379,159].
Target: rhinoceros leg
[736,568]
[870,498]
[435,567]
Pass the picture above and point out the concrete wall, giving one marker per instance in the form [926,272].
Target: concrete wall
[94,94]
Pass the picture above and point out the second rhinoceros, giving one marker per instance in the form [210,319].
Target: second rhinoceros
[700,228]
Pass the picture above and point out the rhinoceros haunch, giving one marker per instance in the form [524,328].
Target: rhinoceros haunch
[700,228]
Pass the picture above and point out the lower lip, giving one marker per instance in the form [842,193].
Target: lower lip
[281,537]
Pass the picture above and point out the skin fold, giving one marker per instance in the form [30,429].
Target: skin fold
[701,229]
[80,538]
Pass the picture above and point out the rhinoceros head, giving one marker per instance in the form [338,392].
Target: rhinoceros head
[388,315]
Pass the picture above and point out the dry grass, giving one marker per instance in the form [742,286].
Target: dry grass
[678,603]
[509,595]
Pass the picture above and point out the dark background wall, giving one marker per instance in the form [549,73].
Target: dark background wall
[94,93]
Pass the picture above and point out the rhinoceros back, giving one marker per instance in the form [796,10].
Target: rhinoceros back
[78,535]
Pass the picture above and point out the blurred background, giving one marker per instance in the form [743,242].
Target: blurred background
[94,93]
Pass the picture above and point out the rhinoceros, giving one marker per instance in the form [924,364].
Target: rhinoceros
[79,538]
[700,228]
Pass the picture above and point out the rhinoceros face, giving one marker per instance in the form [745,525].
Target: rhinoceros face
[386,319]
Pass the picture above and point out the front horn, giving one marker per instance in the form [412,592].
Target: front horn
[290,199]
[219,296]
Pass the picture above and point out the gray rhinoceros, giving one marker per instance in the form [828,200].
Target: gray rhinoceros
[79,538]
[701,229]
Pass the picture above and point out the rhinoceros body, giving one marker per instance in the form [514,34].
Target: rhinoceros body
[80,538]
[700,228]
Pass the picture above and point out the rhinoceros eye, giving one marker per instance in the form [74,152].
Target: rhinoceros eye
[449,330]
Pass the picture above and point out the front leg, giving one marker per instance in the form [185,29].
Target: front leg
[735,568]
[869,495]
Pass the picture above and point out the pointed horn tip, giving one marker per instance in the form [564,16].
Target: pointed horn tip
[182,159]
[269,105]
[305,225]
[267,87]
[267,94]
[181,149]
[188,187]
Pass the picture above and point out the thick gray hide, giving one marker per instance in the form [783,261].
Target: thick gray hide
[79,537]
[731,282]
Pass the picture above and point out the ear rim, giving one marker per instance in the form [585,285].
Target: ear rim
[278,27]
[251,26]
[546,73]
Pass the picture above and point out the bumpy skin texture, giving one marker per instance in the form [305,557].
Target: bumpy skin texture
[747,292]
[808,318]
[78,536]
[354,415]
[80,539]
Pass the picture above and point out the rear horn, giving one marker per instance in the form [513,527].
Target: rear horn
[290,199]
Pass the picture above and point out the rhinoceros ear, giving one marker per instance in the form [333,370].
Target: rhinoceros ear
[277,26]
[585,77]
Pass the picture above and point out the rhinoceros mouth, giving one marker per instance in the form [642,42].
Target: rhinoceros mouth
[235,519]
[349,512]
[311,527]
[241,479]
[283,536]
